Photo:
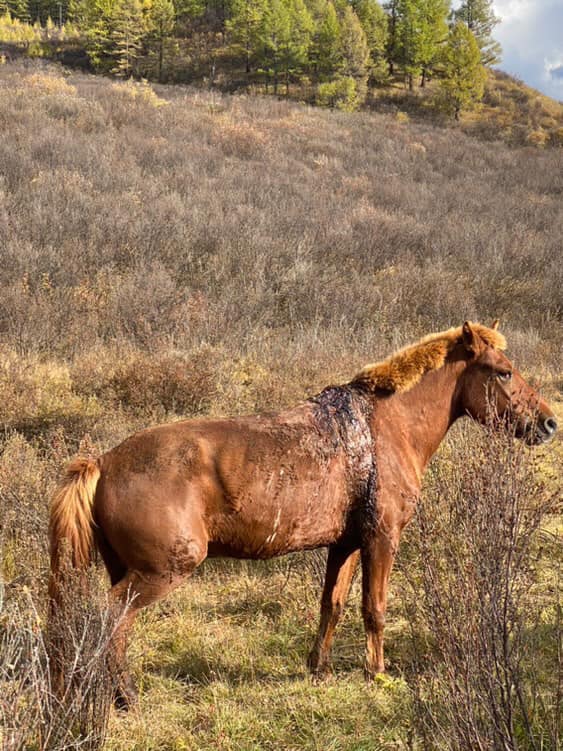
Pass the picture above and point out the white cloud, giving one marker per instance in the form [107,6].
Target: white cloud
[514,10]
[553,72]
[530,34]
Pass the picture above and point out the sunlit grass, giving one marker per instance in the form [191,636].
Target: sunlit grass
[222,665]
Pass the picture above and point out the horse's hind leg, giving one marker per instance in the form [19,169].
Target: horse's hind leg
[135,591]
[340,568]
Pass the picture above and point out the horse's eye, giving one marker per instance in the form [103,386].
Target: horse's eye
[504,377]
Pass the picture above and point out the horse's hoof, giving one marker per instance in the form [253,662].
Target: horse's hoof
[322,676]
[319,668]
[313,660]
[126,698]
[370,674]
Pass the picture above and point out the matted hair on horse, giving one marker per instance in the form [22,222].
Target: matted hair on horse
[404,368]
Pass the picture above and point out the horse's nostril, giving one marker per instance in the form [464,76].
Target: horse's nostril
[550,425]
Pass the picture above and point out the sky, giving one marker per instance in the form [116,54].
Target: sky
[531,34]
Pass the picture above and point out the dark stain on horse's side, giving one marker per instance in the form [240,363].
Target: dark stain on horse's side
[343,415]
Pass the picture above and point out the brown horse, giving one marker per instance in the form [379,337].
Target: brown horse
[341,470]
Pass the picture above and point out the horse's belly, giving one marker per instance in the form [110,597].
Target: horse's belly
[269,527]
[261,545]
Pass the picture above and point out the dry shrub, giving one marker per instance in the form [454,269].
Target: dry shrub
[252,386]
[538,137]
[34,713]
[124,101]
[525,115]
[487,669]
[142,92]
[242,139]
[38,394]
[155,383]
[24,488]
[45,83]
[29,470]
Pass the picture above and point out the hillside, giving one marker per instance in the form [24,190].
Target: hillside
[170,252]
[510,111]
[517,114]
[342,55]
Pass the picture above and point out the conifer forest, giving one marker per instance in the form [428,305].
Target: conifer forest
[327,51]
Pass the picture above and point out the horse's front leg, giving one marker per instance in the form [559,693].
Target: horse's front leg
[340,567]
[377,560]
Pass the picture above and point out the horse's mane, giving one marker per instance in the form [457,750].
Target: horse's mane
[404,369]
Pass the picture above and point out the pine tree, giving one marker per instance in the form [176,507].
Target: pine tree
[480,19]
[95,20]
[247,28]
[354,46]
[160,16]
[186,11]
[17,9]
[277,36]
[408,38]
[81,12]
[296,55]
[464,76]
[216,12]
[35,10]
[327,49]
[433,31]
[127,29]
[421,30]
[392,9]
[355,54]
[41,10]
[375,25]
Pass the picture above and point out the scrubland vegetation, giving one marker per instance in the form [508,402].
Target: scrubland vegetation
[168,252]
[421,59]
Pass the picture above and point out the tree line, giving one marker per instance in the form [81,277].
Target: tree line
[338,48]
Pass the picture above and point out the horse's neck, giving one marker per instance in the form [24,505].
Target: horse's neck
[417,421]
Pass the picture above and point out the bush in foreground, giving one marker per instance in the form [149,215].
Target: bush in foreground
[487,665]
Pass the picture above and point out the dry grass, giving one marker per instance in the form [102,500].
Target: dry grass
[223,255]
[258,226]
[223,667]
[518,114]
[510,112]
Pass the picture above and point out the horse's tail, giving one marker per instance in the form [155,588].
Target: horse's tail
[71,523]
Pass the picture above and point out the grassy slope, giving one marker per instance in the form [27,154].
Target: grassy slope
[246,251]
[517,113]
[510,111]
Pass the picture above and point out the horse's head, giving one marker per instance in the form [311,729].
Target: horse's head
[492,387]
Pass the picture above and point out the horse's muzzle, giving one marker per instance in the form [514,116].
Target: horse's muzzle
[536,432]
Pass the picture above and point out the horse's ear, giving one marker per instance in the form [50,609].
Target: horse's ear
[495,324]
[469,338]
